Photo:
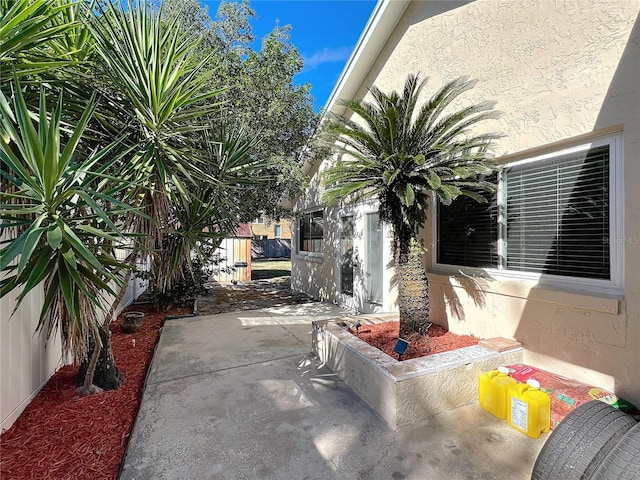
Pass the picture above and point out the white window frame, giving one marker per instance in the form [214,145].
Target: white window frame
[613,286]
[305,253]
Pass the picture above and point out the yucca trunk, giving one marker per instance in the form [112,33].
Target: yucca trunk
[413,288]
[106,374]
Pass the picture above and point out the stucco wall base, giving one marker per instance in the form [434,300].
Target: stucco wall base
[405,392]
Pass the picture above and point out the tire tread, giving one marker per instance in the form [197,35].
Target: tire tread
[623,461]
[580,442]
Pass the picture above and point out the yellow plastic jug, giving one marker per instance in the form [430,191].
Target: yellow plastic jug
[528,408]
[492,391]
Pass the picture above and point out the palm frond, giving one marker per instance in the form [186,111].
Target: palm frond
[399,151]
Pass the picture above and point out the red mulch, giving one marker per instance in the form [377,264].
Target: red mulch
[384,336]
[63,436]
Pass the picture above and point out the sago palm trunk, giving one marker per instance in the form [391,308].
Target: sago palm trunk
[413,289]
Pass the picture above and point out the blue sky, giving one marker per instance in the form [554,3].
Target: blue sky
[324,32]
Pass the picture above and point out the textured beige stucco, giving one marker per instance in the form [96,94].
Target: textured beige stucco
[548,64]
[561,72]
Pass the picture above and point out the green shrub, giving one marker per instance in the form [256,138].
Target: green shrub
[189,286]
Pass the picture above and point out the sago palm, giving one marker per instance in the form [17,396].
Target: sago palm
[400,152]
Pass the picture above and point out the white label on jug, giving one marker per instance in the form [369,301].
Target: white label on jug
[519,413]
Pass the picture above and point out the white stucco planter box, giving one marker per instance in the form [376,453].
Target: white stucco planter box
[405,392]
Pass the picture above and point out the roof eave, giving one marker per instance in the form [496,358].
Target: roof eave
[374,37]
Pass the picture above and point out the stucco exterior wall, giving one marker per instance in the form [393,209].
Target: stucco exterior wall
[313,273]
[560,71]
[318,274]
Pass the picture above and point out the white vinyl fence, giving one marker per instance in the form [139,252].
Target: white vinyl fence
[25,363]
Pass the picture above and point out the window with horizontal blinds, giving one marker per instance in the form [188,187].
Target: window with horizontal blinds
[468,233]
[552,216]
[557,215]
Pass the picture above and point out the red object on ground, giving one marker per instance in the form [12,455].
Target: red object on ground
[384,336]
[61,435]
[566,393]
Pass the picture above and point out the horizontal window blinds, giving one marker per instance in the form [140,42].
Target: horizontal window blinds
[468,233]
[557,215]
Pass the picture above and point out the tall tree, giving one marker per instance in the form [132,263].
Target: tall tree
[59,175]
[259,93]
[399,153]
[155,93]
[162,102]
[182,166]
[157,74]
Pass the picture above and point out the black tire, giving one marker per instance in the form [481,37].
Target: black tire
[580,442]
[623,460]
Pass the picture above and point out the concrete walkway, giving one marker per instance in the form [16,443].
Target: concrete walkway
[239,396]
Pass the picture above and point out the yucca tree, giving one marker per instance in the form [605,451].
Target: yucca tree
[201,221]
[157,103]
[158,78]
[168,174]
[401,152]
[48,43]
[58,211]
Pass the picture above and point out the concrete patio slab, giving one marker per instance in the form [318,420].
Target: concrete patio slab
[227,399]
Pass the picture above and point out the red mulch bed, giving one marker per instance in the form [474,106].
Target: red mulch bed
[384,336]
[63,436]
